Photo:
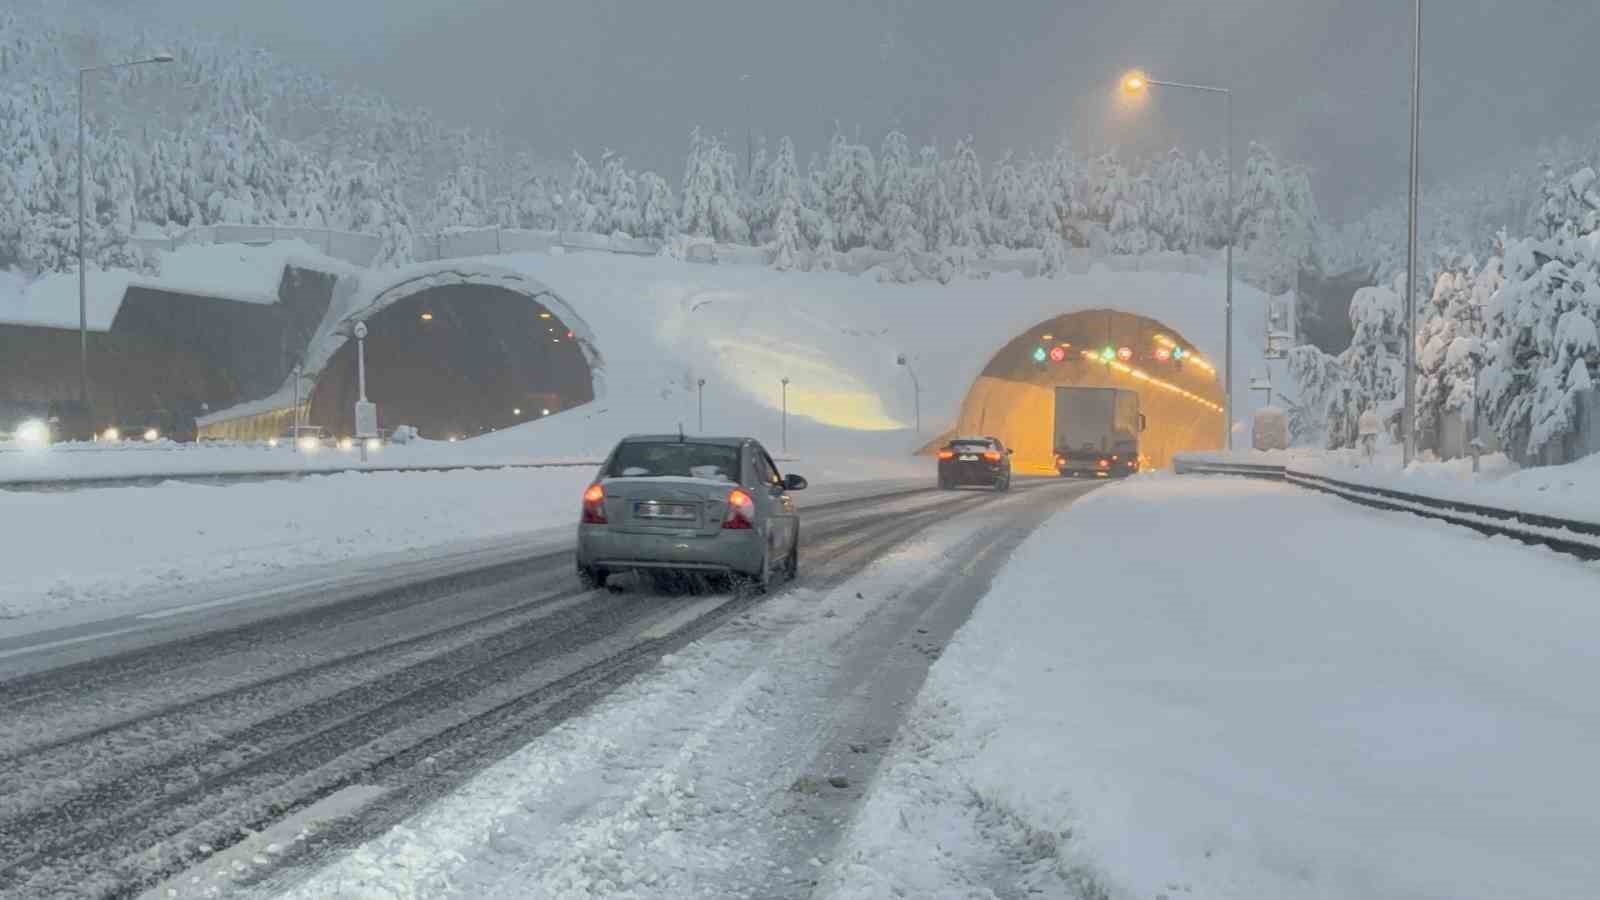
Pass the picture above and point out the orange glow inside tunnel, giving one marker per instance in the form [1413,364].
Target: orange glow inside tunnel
[1014,398]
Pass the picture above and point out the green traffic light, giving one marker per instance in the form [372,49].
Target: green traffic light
[1038,354]
[1108,354]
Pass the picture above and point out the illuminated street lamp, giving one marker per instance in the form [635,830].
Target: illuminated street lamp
[83,283]
[1137,82]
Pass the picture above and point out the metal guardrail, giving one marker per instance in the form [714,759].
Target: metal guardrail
[223,477]
[1571,536]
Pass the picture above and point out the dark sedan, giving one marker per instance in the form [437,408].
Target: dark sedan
[981,461]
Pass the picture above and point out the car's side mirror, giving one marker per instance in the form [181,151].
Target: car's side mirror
[794,483]
[1010,452]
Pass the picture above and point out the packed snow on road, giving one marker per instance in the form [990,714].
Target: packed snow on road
[1199,687]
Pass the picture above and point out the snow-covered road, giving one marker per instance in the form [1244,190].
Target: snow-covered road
[1208,687]
[117,772]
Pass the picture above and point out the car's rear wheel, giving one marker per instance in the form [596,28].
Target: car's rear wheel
[1003,483]
[593,577]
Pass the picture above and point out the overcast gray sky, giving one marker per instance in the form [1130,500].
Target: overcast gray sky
[1322,81]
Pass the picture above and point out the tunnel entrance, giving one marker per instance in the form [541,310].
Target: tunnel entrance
[457,360]
[1014,398]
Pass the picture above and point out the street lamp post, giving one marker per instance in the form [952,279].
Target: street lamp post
[83,278]
[700,403]
[361,388]
[1408,418]
[786,413]
[1138,82]
[916,390]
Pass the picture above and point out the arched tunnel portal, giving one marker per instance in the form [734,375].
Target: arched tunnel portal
[1014,398]
[457,360]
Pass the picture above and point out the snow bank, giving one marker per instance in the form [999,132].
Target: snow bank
[1225,708]
[1570,491]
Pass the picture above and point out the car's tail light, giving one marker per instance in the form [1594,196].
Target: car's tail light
[594,505]
[947,454]
[1115,457]
[992,455]
[1061,460]
[1105,463]
[741,510]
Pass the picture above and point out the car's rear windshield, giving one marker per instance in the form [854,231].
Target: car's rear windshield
[970,446]
[688,460]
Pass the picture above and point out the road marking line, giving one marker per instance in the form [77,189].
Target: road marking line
[67,642]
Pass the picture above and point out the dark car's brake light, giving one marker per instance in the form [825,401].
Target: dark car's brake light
[594,505]
[741,510]
[947,454]
[991,455]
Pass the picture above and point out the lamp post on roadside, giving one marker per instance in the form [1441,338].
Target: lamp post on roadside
[916,389]
[83,282]
[366,412]
[1408,416]
[786,413]
[700,403]
[1139,83]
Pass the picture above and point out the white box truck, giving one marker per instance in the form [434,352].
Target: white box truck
[1096,432]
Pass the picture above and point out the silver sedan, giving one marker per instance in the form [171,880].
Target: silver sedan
[669,503]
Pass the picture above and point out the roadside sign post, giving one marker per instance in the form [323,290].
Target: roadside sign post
[366,412]
[786,413]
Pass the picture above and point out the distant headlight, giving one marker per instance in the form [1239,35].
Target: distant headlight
[309,445]
[346,444]
[272,442]
[111,434]
[150,434]
[374,445]
[33,434]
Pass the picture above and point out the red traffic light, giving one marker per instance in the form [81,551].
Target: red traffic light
[1124,353]
[1058,354]
[1163,354]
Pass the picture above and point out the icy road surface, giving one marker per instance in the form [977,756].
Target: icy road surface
[248,749]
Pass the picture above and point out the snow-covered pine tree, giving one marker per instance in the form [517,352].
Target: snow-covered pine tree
[787,250]
[897,220]
[657,211]
[936,216]
[1542,339]
[849,188]
[1446,340]
[624,212]
[965,190]
[581,210]
[1008,209]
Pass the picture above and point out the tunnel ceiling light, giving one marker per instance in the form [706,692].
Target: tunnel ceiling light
[544,315]
[427,317]
[1047,337]
[1142,375]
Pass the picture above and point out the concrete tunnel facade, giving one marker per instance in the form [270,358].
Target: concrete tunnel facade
[1014,397]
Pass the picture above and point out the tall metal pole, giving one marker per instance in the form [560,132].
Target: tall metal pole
[700,403]
[361,384]
[1408,417]
[83,282]
[1140,82]
[1227,316]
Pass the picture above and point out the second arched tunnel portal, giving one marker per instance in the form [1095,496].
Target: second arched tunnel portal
[1014,397]
[457,360]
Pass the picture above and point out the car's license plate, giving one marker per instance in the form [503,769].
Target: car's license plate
[675,511]
[969,458]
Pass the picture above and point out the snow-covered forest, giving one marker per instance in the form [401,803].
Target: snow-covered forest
[232,135]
